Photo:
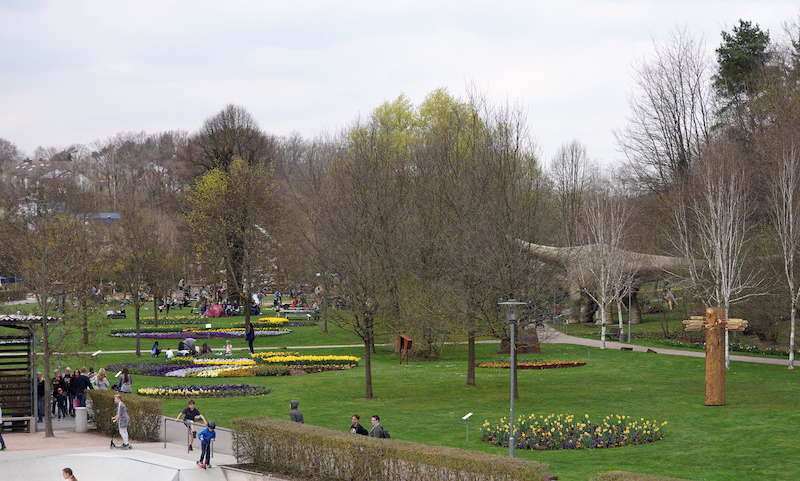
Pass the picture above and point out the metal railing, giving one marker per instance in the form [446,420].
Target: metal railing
[177,429]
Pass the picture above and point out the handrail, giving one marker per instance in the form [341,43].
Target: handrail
[191,423]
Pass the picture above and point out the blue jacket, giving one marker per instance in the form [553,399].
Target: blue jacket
[206,435]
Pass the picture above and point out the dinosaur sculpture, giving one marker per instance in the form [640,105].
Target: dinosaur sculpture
[645,267]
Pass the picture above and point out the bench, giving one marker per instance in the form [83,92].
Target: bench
[30,422]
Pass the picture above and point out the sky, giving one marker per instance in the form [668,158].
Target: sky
[78,71]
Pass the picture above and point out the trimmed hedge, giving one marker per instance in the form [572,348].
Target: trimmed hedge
[625,476]
[145,414]
[323,454]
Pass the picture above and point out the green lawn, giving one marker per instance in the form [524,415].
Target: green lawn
[754,437]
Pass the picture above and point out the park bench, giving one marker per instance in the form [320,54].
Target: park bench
[26,423]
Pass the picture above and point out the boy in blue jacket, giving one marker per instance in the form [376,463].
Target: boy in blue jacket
[205,437]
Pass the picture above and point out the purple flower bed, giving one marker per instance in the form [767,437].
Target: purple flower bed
[199,335]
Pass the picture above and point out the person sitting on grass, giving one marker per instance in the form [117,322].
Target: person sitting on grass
[228,348]
[205,437]
[189,415]
[356,427]
[377,430]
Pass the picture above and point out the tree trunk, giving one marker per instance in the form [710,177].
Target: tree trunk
[603,313]
[48,395]
[791,335]
[368,361]
[155,307]
[84,320]
[136,308]
[471,357]
[621,325]
[634,308]
[246,306]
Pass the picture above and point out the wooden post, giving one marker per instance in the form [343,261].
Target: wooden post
[715,356]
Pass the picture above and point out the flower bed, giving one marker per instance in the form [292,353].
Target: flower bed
[299,361]
[173,321]
[288,323]
[231,362]
[226,390]
[533,364]
[565,431]
[202,334]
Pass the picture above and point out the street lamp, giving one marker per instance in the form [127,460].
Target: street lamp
[511,307]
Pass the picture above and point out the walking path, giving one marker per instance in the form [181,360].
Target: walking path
[547,335]
[553,336]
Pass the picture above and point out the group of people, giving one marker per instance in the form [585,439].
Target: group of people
[69,390]
[376,431]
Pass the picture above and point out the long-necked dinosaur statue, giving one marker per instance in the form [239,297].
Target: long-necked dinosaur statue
[644,267]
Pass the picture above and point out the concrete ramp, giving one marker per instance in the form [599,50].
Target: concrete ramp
[114,465]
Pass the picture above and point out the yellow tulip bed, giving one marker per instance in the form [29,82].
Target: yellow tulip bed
[302,361]
[227,362]
[273,320]
[532,364]
[565,431]
[226,390]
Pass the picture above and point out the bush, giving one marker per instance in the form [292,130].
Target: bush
[624,476]
[145,414]
[313,452]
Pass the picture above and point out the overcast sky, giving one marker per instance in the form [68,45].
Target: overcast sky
[75,71]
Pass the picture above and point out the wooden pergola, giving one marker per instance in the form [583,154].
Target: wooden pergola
[18,371]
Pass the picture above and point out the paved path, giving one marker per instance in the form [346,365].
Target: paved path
[550,335]
[546,335]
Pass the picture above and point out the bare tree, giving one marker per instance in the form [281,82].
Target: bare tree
[713,222]
[671,116]
[603,271]
[785,212]
[571,177]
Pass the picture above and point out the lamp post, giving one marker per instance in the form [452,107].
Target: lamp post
[511,307]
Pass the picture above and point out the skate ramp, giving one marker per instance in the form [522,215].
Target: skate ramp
[115,465]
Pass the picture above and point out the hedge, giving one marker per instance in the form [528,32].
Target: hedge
[145,414]
[625,476]
[323,454]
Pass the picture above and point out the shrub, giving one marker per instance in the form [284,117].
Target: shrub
[319,453]
[145,414]
[625,476]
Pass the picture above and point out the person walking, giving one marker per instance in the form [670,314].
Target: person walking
[205,437]
[40,396]
[2,441]
[356,427]
[295,414]
[67,474]
[250,335]
[122,419]
[377,430]
[125,382]
[190,414]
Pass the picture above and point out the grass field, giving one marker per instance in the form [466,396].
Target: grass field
[754,437]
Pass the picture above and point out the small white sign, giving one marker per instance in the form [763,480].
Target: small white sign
[208,326]
[467,416]
[118,373]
